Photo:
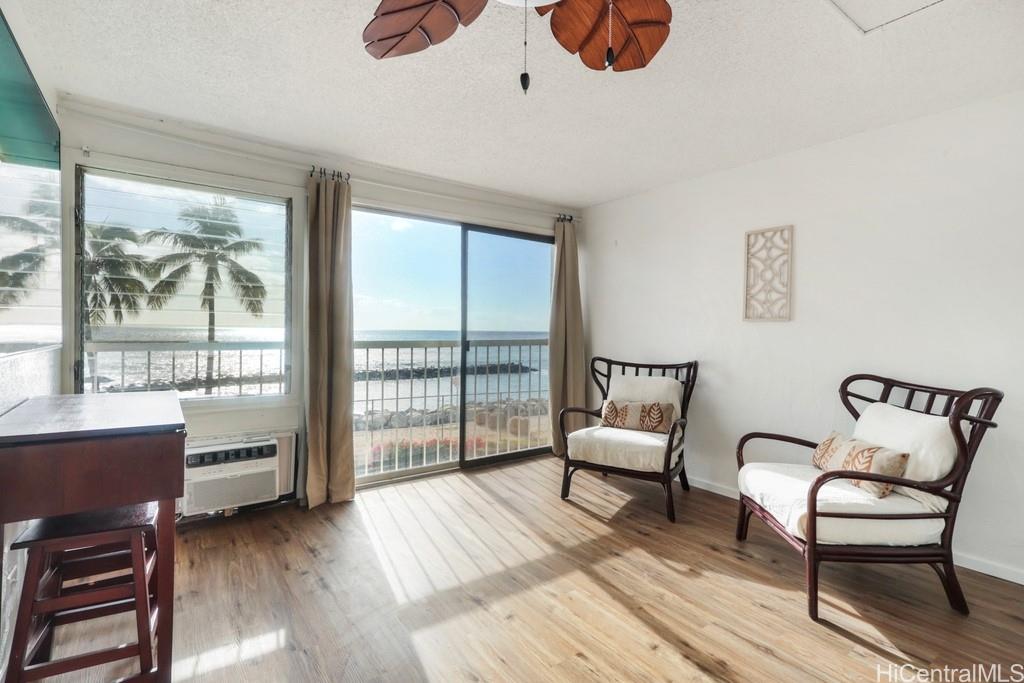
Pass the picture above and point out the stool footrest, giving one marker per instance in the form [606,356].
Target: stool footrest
[85,598]
[76,662]
[69,556]
[71,616]
[97,564]
[93,585]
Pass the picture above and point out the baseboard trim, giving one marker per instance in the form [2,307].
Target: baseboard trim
[965,560]
[996,569]
[727,491]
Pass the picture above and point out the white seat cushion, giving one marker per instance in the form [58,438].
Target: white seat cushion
[625,388]
[625,448]
[927,438]
[781,489]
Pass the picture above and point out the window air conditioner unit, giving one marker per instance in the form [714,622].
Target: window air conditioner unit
[222,474]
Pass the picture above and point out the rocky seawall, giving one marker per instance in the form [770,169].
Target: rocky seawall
[506,414]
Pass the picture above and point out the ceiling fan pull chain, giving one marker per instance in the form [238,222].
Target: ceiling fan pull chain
[524,78]
[609,56]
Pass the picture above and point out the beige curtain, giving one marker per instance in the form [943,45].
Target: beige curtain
[568,380]
[331,469]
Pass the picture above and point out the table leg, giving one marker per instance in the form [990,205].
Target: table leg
[165,588]
[3,580]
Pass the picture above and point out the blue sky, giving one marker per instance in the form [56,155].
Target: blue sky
[405,276]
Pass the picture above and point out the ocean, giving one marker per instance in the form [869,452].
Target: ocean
[402,369]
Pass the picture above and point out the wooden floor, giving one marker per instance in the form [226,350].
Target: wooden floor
[488,576]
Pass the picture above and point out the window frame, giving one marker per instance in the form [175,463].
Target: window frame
[170,175]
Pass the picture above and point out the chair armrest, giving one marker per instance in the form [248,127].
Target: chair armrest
[934,487]
[565,411]
[671,445]
[772,437]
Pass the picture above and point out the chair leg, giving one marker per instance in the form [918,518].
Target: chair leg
[742,522]
[950,583]
[23,622]
[812,584]
[566,476]
[670,508]
[142,613]
[683,480]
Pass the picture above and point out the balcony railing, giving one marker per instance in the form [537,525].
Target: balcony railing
[237,368]
[406,393]
[406,401]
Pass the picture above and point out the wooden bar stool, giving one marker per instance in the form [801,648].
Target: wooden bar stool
[76,547]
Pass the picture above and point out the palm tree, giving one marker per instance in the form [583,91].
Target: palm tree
[110,279]
[20,271]
[110,275]
[212,240]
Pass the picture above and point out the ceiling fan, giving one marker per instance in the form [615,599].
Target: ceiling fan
[621,34]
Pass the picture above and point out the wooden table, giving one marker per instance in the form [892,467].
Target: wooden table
[73,453]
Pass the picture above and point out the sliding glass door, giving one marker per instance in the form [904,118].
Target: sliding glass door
[406,275]
[451,356]
[506,299]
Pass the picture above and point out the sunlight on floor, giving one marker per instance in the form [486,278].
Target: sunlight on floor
[428,536]
[228,655]
[588,624]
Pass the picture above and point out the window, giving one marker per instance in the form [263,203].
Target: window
[29,257]
[182,287]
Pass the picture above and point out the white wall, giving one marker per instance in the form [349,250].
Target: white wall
[908,253]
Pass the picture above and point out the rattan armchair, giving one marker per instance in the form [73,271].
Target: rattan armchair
[968,415]
[669,464]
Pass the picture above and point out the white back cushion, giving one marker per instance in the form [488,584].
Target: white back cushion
[649,389]
[927,438]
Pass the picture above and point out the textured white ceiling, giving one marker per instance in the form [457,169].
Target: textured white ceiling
[738,80]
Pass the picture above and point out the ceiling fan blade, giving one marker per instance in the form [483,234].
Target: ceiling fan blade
[402,27]
[639,29]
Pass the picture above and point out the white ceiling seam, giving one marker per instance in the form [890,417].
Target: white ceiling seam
[899,14]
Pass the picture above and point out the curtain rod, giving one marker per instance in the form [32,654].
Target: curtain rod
[286,163]
[335,175]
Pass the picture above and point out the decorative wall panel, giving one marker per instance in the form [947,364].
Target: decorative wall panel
[769,274]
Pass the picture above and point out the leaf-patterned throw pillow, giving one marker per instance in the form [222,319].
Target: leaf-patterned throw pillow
[614,415]
[645,417]
[826,449]
[837,452]
[652,417]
